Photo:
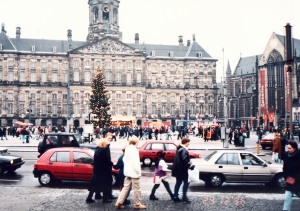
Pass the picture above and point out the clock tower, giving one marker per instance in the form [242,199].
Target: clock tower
[103,19]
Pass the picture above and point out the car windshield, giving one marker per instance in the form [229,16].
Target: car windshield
[208,157]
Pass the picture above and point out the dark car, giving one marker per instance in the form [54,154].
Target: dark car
[73,163]
[9,163]
[53,140]
[148,151]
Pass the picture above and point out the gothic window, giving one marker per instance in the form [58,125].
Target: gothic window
[275,56]
[247,85]
[236,89]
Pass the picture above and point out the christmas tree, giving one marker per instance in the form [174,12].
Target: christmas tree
[99,101]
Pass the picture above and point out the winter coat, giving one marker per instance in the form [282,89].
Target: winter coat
[120,165]
[291,163]
[102,175]
[181,163]
[132,164]
[277,145]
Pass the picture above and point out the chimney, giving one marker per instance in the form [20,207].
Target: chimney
[188,42]
[180,40]
[69,34]
[18,32]
[137,38]
[3,28]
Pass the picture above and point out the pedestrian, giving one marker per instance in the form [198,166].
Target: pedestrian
[160,176]
[102,175]
[132,172]
[291,171]
[276,148]
[120,165]
[230,135]
[180,169]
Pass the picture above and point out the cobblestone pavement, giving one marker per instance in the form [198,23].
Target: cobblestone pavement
[44,199]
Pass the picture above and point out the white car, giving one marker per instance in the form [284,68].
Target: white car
[238,166]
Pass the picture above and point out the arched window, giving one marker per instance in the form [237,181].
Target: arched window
[96,13]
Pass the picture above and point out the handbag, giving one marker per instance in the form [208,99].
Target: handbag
[290,180]
[193,175]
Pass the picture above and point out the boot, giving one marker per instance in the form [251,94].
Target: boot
[153,197]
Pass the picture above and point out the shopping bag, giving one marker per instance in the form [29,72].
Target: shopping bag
[290,180]
[193,175]
[275,156]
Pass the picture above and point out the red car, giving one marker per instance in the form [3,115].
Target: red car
[66,164]
[148,151]
[267,140]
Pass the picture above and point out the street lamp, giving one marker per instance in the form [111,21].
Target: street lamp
[186,92]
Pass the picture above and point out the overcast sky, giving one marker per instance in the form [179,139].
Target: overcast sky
[241,28]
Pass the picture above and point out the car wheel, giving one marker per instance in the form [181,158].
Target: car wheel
[216,180]
[279,181]
[1,170]
[45,179]
[147,162]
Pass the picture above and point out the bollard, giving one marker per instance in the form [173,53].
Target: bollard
[257,148]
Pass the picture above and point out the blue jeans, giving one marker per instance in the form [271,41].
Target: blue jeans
[184,188]
[288,196]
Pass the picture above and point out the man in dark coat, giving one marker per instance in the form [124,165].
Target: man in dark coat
[291,163]
[180,169]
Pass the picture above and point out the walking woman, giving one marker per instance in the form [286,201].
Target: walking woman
[102,176]
[291,171]
[160,175]
[180,169]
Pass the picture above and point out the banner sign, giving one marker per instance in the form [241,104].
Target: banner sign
[262,91]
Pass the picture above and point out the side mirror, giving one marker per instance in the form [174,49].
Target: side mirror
[264,165]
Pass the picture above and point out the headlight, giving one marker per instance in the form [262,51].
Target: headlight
[11,162]
[22,158]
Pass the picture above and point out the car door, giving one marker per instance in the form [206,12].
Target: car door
[253,169]
[229,165]
[170,150]
[82,168]
[60,165]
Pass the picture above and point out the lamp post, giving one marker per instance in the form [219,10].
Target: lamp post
[186,92]
[69,78]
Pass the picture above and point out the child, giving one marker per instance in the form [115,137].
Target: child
[160,175]
[120,165]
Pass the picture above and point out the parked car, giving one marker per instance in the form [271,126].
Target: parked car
[61,139]
[238,166]
[148,151]
[66,163]
[267,140]
[9,163]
